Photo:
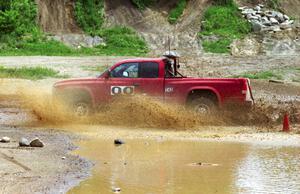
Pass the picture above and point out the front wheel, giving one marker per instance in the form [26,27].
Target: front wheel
[81,109]
[203,106]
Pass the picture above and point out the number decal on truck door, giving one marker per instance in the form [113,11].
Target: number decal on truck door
[122,90]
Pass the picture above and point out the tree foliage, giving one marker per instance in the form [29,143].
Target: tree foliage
[89,14]
[4,5]
[18,18]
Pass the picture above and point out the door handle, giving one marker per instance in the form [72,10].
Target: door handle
[136,84]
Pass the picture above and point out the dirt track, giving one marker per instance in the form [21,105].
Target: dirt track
[207,65]
[44,170]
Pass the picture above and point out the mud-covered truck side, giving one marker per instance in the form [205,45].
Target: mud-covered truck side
[158,78]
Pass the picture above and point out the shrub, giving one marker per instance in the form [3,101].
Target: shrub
[89,14]
[177,11]
[19,19]
[4,5]
[122,40]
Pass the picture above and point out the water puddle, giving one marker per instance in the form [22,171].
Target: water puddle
[161,166]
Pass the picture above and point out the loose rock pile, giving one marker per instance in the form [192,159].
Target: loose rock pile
[266,20]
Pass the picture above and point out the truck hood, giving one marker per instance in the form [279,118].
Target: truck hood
[75,81]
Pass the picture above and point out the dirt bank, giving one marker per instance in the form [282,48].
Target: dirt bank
[56,16]
[153,24]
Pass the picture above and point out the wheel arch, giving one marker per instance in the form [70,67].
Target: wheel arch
[210,93]
[72,93]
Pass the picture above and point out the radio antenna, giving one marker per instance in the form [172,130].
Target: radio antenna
[169,42]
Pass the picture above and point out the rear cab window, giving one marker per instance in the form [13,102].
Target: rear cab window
[149,70]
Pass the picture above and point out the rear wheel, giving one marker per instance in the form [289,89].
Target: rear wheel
[203,106]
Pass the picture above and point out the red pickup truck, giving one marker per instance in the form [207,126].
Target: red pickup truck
[158,78]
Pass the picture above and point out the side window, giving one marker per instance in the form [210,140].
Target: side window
[149,70]
[126,70]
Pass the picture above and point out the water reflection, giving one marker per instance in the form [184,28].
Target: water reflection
[148,167]
[161,167]
[269,170]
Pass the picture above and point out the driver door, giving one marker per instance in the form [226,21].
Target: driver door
[136,78]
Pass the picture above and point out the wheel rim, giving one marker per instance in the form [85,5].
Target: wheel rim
[202,109]
[81,109]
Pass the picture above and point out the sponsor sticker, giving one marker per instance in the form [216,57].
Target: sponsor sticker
[169,89]
[121,90]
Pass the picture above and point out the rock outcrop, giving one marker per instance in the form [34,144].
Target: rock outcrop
[263,19]
[79,40]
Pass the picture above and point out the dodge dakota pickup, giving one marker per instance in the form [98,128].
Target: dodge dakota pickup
[158,78]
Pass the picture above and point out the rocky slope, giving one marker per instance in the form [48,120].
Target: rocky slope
[57,17]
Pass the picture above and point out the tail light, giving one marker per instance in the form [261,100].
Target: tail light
[246,90]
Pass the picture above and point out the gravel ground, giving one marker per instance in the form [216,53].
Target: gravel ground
[51,169]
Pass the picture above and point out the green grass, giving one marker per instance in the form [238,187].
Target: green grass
[98,68]
[47,48]
[262,75]
[177,11]
[220,46]
[227,24]
[120,41]
[33,73]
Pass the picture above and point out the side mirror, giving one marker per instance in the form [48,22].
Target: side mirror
[125,74]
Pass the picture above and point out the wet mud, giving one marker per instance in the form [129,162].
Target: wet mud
[141,111]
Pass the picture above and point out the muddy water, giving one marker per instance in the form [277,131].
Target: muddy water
[158,166]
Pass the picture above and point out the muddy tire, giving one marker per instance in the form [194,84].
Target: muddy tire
[81,109]
[203,106]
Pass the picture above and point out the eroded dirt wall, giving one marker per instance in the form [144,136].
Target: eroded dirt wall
[57,16]
[153,24]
